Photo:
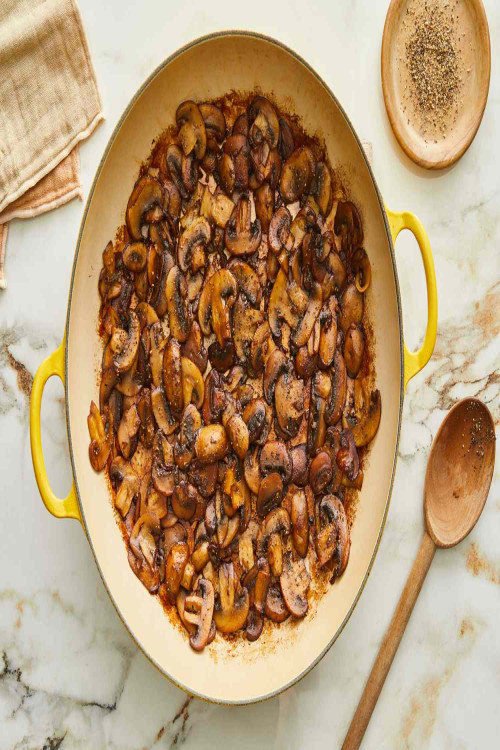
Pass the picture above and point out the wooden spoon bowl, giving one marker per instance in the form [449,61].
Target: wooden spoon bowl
[459,472]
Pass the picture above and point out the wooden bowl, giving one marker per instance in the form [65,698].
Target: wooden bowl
[431,148]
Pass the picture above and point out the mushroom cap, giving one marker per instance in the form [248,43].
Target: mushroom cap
[147,193]
[242,236]
[297,174]
[192,133]
[263,122]
[231,611]
[197,235]
[294,582]
[274,457]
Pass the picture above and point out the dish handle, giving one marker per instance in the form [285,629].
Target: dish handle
[60,507]
[416,361]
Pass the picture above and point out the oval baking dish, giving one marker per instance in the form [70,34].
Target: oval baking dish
[239,672]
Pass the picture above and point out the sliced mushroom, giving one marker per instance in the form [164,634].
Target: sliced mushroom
[275,607]
[258,421]
[328,337]
[246,321]
[247,280]
[162,472]
[238,435]
[320,392]
[194,349]
[305,363]
[322,187]
[365,421]
[147,194]
[192,244]
[186,501]
[306,325]
[190,424]
[126,354]
[204,476]
[223,296]
[276,365]
[242,236]
[274,457]
[127,432]
[198,611]
[354,349]
[332,533]
[289,401]
[300,474]
[361,269]
[215,398]
[297,174]
[126,482]
[347,455]
[270,493]
[253,476]
[192,133]
[178,313]
[231,611]
[161,409]
[300,523]
[320,472]
[263,122]
[174,568]
[255,625]
[172,375]
[218,207]
[294,582]
[336,401]
[261,347]
[135,256]
[279,236]
[233,167]
[193,387]
[215,122]
[143,538]
[211,443]
[348,226]
[264,205]
[351,308]
[221,359]
[281,308]
[101,436]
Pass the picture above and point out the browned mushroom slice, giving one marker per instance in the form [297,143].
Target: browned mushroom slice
[365,421]
[180,603]
[280,306]
[348,226]
[270,493]
[279,231]
[332,533]
[227,173]
[255,625]
[162,412]
[190,424]
[204,476]
[305,363]
[186,500]
[162,472]
[237,148]
[275,607]
[147,194]
[246,321]
[285,140]
[328,337]
[211,443]
[194,349]
[198,611]
[223,296]
[300,523]
[218,207]
[274,457]
[126,481]
[294,582]
[289,401]
[157,344]
[347,455]
[127,432]
[320,392]
[238,435]
[247,280]
[264,205]
[192,244]
[336,401]
[215,398]
[215,122]
[135,256]
[297,174]
[193,387]
[320,472]
[172,375]
[322,187]
[178,313]
[126,354]
[101,436]
[174,569]
[306,325]
[146,314]
[242,236]
[192,133]
[263,122]
[257,420]
[174,164]
[261,347]
[143,538]
[252,471]
[300,474]
[361,269]
[276,365]
[231,610]
[354,349]
[351,308]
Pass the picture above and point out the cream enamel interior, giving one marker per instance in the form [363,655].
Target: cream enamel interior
[243,672]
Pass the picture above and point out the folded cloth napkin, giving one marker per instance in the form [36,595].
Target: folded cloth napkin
[49,102]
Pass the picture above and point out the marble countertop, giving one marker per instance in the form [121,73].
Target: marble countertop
[70,676]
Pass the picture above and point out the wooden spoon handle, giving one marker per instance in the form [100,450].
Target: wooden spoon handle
[390,644]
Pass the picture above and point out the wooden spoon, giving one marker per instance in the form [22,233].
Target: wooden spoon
[457,482]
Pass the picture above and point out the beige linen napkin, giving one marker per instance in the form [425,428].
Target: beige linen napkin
[49,102]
